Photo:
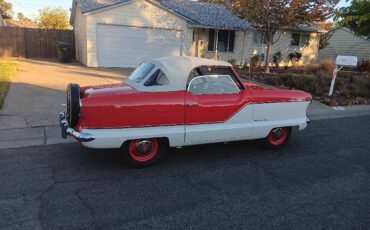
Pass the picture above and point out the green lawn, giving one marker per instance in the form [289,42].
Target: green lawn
[7,72]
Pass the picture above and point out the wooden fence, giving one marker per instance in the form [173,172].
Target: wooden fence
[33,43]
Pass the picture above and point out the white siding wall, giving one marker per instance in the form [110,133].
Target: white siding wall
[309,53]
[344,42]
[79,28]
[138,13]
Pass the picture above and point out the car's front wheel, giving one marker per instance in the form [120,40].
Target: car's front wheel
[142,152]
[278,137]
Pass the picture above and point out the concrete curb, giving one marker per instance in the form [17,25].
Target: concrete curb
[34,136]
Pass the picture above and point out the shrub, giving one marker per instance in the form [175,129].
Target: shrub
[294,57]
[324,67]
[363,66]
[255,61]
[327,66]
[312,69]
[277,58]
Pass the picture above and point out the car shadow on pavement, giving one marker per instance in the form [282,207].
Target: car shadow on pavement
[179,157]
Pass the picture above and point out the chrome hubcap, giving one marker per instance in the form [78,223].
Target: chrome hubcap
[276,133]
[143,147]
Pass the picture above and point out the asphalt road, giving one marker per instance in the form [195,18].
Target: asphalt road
[320,181]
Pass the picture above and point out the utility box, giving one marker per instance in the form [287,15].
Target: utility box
[346,61]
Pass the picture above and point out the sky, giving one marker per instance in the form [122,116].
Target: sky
[30,8]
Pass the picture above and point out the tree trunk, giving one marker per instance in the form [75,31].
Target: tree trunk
[268,55]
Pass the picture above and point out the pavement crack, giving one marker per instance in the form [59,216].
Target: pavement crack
[88,207]
[44,192]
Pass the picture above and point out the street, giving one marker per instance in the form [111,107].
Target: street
[321,180]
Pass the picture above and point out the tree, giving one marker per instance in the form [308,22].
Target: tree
[270,15]
[356,17]
[20,16]
[53,18]
[5,9]
[324,39]
[327,26]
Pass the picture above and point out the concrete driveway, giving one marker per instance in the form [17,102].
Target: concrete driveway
[38,90]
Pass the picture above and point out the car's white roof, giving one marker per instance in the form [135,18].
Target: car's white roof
[177,69]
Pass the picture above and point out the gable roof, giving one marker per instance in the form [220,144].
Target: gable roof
[206,14]
[367,38]
[88,6]
[197,14]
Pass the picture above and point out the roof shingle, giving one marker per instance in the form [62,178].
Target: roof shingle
[196,13]
[206,14]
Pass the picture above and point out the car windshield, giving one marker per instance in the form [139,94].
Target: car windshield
[141,71]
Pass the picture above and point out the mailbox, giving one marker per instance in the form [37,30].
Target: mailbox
[340,62]
[346,61]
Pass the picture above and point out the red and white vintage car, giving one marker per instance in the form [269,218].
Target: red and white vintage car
[180,101]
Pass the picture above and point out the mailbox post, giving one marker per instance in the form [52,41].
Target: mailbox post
[340,62]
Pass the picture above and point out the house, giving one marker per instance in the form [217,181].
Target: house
[344,42]
[22,23]
[123,33]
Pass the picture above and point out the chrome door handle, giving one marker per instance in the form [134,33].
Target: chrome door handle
[192,105]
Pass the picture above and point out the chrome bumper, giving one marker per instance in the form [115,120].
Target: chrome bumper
[68,131]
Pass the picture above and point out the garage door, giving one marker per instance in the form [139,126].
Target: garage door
[122,46]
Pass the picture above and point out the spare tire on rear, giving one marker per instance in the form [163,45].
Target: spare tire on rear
[73,104]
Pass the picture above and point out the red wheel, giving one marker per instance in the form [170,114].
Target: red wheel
[278,137]
[142,152]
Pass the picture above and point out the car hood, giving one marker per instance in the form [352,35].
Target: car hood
[106,90]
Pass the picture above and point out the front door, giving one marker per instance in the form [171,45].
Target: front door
[216,110]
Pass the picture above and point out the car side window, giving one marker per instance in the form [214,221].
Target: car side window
[158,78]
[213,84]
[214,70]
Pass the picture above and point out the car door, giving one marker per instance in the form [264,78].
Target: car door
[216,110]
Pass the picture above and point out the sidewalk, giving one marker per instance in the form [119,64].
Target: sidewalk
[318,111]
[30,114]
[48,135]
[38,90]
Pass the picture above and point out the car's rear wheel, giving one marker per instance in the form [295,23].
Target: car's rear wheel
[142,152]
[278,137]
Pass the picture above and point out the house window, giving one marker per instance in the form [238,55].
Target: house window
[259,38]
[300,39]
[305,39]
[225,40]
